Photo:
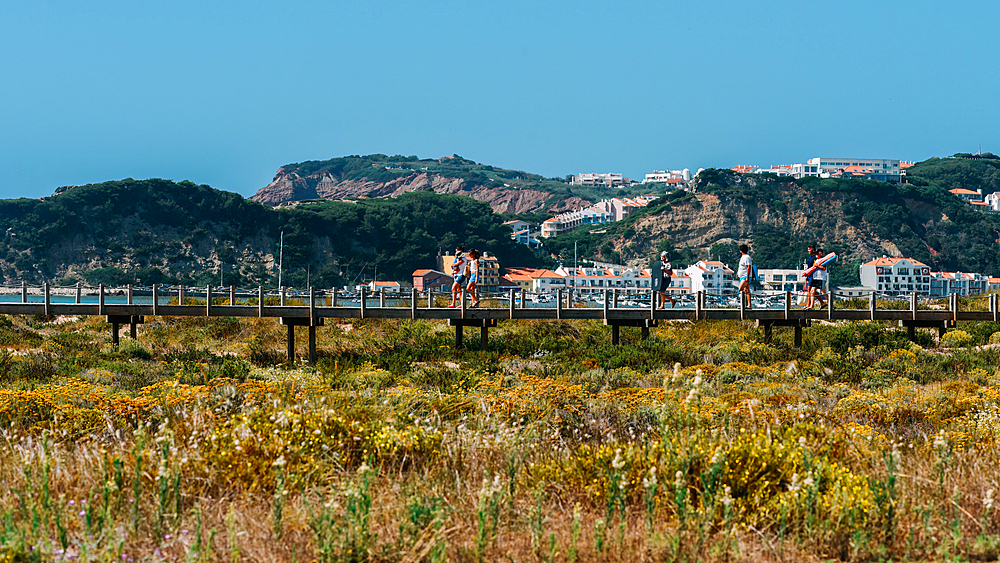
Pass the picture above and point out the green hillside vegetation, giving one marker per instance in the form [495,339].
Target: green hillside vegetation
[166,232]
[920,217]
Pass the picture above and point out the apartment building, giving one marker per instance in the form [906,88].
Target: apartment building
[425,279]
[896,276]
[606,211]
[712,277]
[781,279]
[536,279]
[944,284]
[597,279]
[880,169]
[610,180]
[668,176]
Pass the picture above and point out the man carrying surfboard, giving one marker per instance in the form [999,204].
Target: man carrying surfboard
[810,268]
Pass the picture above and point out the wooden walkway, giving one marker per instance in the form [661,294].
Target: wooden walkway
[421,306]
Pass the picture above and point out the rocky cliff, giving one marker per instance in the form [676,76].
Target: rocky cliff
[289,186]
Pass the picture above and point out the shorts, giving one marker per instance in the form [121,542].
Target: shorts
[459,278]
[743,279]
[818,284]
[473,277]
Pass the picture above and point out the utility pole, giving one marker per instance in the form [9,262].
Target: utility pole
[281,252]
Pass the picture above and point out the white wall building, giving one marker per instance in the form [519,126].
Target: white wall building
[882,169]
[606,211]
[610,180]
[665,176]
[712,277]
[781,279]
[896,276]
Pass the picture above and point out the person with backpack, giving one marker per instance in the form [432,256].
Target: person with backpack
[744,272]
[662,273]
[473,260]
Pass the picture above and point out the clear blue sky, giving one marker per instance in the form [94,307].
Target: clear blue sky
[223,93]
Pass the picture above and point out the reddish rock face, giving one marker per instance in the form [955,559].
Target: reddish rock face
[289,187]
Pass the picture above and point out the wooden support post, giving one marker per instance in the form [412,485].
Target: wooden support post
[260,301]
[100,300]
[993,306]
[768,328]
[180,295]
[133,332]
[911,332]
[644,332]
[652,303]
[413,303]
[129,293]
[312,306]
[788,307]
[829,303]
[698,300]
[606,295]
[284,296]
[312,344]
[871,305]
[743,307]
[156,298]
[559,303]
[615,333]
[114,333]
[484,337]
[430,298]
[232,295]
[364,302]
[24,291]
[614,297]
[291,343]
[208,300]
[913,306]
[458,336]
[45,290]
[79,292]
[381,297]
[798,336]
[511,304]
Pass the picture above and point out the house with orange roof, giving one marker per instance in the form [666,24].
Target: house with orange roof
[597,279]
[944,284]
[380,286]
[432,279]
[542,280]
[896,276]
[968,195]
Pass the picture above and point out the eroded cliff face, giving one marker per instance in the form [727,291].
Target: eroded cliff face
[709,219]
[289,187]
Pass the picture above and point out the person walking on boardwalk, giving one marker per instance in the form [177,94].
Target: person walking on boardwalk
[662,273]
[819,279]
[743,271]
[810,260]
[459,268]
[473,261]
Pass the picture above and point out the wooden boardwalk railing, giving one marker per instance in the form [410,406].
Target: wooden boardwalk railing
[421,306]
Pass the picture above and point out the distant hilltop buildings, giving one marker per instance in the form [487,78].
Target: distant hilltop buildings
[607,211]
[879,169]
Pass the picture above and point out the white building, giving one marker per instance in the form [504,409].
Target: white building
[597,279]
[944,284]
[610,180]
[606,211]
[712,277]
[880,169]
[665,176]
[781,279]
[896,276]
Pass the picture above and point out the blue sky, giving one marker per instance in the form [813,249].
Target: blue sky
[223,93]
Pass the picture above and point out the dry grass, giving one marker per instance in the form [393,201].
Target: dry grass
[556,447]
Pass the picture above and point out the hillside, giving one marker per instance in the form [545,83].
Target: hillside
[166,232]
[860,220]
[378,175]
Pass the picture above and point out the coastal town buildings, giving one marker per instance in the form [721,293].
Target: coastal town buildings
[609,180]
[433,280]
[879,169]
[712,277]
[606,211]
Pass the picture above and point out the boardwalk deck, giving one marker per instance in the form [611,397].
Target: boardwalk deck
[313,315]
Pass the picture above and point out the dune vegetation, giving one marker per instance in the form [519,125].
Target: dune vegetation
[195,442]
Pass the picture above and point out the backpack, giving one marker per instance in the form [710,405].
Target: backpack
[754,276]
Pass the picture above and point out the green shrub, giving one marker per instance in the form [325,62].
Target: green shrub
[956,339]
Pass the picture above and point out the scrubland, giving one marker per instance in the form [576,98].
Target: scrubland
[196,443]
